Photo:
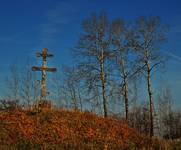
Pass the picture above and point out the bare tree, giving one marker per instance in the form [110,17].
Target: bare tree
[73,87]
[120,51]
[94,49]
[13,83]
[57,90]
[148,34]
[134,99]
[28,85]
[127,65]
[169,119]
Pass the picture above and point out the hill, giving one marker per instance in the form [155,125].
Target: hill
[61,129]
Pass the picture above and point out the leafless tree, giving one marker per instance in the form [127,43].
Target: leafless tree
[94,50]
[147,36]
[139,118]
[28,85]
[13,83]
[73,87]
[169,119]
[57,90]
[121,53]
[127,65]
[124,58]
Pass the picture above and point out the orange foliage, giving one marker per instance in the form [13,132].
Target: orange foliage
[67,129]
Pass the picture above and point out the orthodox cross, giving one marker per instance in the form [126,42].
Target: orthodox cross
[44,54]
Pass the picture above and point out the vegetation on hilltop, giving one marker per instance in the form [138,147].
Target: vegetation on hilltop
[61,129]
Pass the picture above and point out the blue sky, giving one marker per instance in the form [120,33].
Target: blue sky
[29,25]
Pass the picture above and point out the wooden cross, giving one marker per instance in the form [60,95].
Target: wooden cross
[44,54]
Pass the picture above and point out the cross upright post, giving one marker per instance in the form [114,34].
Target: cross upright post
[44,54]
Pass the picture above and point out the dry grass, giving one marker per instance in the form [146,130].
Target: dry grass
[60,129]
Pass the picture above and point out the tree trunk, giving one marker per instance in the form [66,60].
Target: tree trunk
[74,98]
[125,88]
[103,84]
[126,97]
[80,99]
[104,99]
[150,100]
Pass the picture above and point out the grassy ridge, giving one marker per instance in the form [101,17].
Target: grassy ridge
[60,129]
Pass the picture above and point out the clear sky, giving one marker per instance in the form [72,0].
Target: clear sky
[29,25]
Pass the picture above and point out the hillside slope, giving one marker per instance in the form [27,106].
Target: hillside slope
[60,129]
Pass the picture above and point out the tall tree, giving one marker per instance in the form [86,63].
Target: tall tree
[127,65]
[122,55]
[148,35]
[94,47]
[121,52]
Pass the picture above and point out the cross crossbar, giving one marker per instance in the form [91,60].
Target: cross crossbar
[34,68]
